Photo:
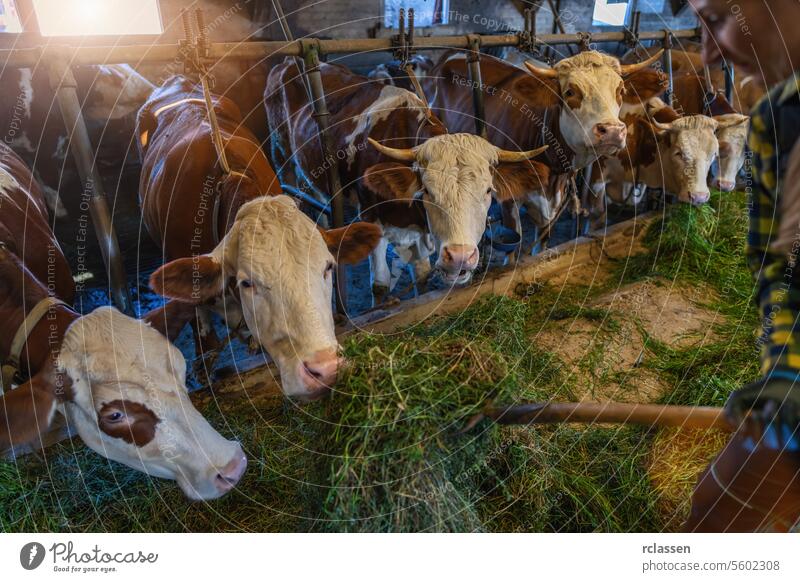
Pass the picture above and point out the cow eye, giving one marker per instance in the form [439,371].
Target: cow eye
[114,417]
[569,93]
[245,284]
[328,268]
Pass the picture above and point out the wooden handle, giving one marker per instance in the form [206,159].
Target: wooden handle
[610,412]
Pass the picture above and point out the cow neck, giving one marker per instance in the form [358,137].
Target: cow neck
[45,336]
[560,156]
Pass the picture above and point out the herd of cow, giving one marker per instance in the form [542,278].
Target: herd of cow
[234,244]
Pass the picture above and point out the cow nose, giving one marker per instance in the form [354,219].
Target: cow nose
[725,185]
[319,372]
[231,473]
[610,134]
[460,257]
[695,198]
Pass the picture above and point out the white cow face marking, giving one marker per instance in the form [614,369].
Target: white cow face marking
[732,137]
[130,404]
[693,147]
[282,267]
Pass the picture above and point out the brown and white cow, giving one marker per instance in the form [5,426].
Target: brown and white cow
[665,150]
[428,189]
[117,381]
[31,122]
[573,107]
[257,260]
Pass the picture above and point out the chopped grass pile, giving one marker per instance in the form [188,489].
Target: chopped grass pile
[385,453]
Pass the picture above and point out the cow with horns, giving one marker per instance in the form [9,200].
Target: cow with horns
[573,107]
[235,245]
[670,151]
[428,189]
[118,382]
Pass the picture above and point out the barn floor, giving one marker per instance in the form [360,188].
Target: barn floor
[672,325]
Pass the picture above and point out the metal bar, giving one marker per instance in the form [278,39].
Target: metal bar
[474,68]
[63,82]
[668,68]
[135,54]
[729,81]
[697,417]
[321,114]
[308,199]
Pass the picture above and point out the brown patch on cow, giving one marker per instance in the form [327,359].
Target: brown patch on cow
[191,279]
[353,243]
[391,181]
[512,180]
[677,457]
[642,145]
[138,424]
[644,85]
[725,148]
[666,115]
[170,318]
[537,91]
[573,96]
[26,412]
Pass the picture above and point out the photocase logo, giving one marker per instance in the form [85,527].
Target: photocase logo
[31,555]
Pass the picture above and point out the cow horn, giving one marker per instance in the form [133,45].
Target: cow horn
[401,155]
[541,71]
[507,156]
[660,126]
[631,69]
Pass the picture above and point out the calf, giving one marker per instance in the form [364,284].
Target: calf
[118,382]
[665,151]
[256,260]
[429,190]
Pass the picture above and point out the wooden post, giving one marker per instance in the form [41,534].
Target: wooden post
[474,67]
[63,83]
[321,114]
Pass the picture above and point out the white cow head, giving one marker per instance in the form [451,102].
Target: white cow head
[124,392]
[280,266]
[590,86]
[689,147]
[455,176]
[732,137]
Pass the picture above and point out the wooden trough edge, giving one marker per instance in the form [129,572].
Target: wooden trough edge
[257,378]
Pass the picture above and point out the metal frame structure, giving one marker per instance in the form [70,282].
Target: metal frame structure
[60,59]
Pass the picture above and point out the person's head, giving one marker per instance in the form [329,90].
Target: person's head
[757,36]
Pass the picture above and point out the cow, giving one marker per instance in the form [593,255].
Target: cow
[236,245]
[691,98]
[573,107]
[428,189]
[391,74]
[31,122]
[117,381]
[665,150]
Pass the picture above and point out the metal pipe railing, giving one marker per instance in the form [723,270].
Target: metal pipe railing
[135,54]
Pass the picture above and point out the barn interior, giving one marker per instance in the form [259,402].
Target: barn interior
[649,303]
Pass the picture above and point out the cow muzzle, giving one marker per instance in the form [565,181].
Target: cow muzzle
[609,138]
[694,198]
[457,263]
[724,185]
[231,473]
[318,374]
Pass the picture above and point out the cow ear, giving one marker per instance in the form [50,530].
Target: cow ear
[353,243]
[643,85]
[191,279]
[146,124]
[512,180]
[539,90]
[392,181]
[26,412]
